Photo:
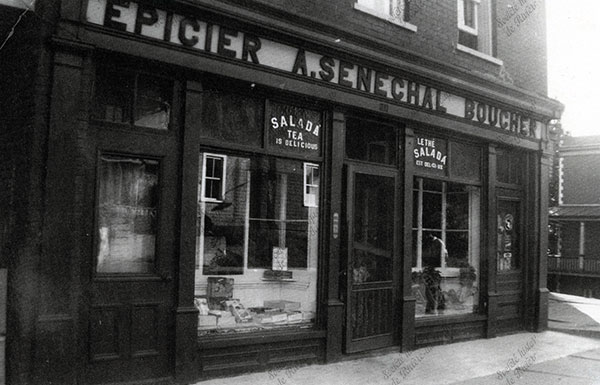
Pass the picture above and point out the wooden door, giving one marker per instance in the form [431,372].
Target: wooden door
[129,311]
[372,279]
[509,257]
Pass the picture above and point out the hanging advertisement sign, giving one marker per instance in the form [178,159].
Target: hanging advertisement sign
[294,129]
[431,154]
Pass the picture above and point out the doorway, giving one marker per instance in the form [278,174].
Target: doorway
[372,269]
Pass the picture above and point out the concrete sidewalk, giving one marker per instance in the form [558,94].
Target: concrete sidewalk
[554,356]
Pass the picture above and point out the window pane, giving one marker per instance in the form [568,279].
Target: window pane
[508,235]
[261,221]
[446,260]
[457,209]
[370,142]
[222,224]
[114,96]
[457,243]
[153,102]
[278,216]
[127,214]
[432,210]
[373,228]
[465,161]
[469,12]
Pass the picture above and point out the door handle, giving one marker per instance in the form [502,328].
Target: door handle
[166,277]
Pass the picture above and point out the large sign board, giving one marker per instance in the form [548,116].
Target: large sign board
[198,34]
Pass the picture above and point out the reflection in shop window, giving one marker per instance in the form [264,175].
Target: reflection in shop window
[508,235]
[127,214]
[446,247]
[126,97]
[257,244]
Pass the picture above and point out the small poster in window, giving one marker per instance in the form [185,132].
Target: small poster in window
[280,258]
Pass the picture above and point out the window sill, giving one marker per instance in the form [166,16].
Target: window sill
[388,18]
[480,55]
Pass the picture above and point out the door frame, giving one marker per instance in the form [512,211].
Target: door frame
[392,338]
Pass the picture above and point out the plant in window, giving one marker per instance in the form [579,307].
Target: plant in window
[433,292]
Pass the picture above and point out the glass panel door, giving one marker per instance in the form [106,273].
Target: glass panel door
[371,265]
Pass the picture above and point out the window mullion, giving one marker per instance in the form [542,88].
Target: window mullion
[444,207]
[420,225]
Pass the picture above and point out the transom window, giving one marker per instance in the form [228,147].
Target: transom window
[133,98]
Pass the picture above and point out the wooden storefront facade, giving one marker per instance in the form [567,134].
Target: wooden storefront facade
[223,194]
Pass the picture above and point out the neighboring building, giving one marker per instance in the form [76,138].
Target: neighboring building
[574,261]
[201,188]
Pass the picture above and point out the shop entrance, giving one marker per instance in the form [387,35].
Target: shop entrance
[372,271]
[127,319]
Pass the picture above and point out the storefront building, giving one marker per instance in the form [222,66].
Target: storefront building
[215,188]
[574,255]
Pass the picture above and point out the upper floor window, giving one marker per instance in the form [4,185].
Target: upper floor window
[394,11]
[475,27]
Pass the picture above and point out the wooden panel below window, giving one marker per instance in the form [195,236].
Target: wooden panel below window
[228,359]
[444,333]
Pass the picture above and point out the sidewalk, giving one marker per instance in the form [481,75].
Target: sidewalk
[554,356]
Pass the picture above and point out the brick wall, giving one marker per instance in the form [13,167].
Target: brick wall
[523,50]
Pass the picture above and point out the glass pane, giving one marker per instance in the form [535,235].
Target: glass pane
[370,142]
[469,12]
[457,243]
[127,214]
[278,217]
[446,261]
[260,222]
[433,248]
[114,95]
[508,235]
[373,228]
[222,225]
[465,161]
[457,210]
[153,102]
[432,210]
[232,118]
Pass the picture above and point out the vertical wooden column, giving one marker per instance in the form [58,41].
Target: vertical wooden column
[334,307]
[66,232]
[186,317]
[581,244]
[540,269]
[407,329]
[488,278]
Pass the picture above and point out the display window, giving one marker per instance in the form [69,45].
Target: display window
[257,233]
[446,228]
[446,247]
[257,240]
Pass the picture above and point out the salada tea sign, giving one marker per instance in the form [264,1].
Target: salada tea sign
[294,129]
[431,154]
